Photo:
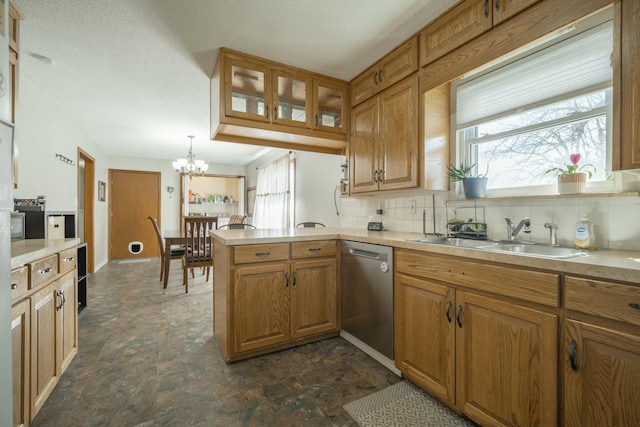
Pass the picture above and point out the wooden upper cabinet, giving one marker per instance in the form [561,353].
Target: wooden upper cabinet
[247,86]
[395,66]
[261,102]
[291,98]
[330,105]
[505,9]
[465,22]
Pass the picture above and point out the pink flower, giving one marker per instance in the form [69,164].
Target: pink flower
[575,158]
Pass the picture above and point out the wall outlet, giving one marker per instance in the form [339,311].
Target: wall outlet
[412,207]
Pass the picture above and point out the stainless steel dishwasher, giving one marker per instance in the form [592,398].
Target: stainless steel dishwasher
[367,298]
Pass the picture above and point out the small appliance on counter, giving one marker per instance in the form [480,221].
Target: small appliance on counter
[17,225]
[34,218]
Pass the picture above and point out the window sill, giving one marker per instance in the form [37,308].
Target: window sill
[554,196]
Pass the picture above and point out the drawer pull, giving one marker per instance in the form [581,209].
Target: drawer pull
[286,283]
[314,249]
[14,286]
[448,311]
[70,259]
[46,270]
[572,355]
[263,253]
[634,305]
[458,313]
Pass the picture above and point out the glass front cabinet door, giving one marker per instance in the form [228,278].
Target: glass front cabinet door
[248,89]
[330,106]
[292,98]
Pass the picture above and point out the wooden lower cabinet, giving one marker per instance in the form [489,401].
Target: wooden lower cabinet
[313,298]
[260,306]
[486,356]
[506,362]
[424,314]
[601,368]
[276,302]
[54,336]
[21,346]
[44,338]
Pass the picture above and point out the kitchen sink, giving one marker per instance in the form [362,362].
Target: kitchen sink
[451,241]
[505,246]
[541,251]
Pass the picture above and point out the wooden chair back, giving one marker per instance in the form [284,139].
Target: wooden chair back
[158,235]
[237,219]
[310,224]
[198,240]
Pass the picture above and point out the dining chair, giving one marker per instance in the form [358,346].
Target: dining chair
[176,253]
[237,219]
[236,226]
[310,224]
[198,244]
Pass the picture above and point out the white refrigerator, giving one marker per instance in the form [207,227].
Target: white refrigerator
[6,206]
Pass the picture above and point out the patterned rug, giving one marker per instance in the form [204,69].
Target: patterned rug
[403,404]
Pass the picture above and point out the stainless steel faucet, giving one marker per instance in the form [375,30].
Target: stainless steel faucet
[553,233]
[512,231]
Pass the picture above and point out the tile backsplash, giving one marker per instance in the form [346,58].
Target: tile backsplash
[616,219]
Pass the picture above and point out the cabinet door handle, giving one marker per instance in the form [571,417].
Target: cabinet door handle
[572,354]
[14,286]
[496,3]
[46,270]
[448,311]
[286,283]
[375,176]
[486,8]
[263,253]
[458,313]
[380,76]
[375,78]
[58,299]
[316,120]
[634,305]
[295,278]
[275,113]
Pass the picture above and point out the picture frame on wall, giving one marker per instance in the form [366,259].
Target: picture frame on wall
[102,191]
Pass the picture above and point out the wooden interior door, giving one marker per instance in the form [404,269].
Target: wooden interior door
[133,197]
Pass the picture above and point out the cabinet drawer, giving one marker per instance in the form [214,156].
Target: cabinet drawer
[261,253]
[19,282]
[68,260]
[318,248]
[43,270]
[610,300]
[533,286]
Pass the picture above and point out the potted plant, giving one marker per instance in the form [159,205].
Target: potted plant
[475,186]
[572,179]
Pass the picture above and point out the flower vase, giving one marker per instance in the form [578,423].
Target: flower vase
[572,183]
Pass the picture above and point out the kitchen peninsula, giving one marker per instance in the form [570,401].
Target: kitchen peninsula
[535,321]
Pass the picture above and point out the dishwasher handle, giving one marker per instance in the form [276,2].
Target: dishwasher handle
[364,254]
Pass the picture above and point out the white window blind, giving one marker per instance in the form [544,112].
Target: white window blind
[570,66]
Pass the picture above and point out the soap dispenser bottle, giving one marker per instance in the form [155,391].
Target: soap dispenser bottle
[584,238]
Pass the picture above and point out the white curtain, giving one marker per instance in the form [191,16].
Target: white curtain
[273,195]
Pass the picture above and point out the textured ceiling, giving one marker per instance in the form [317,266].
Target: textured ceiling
[134,74]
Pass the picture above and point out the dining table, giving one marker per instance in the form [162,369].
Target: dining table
[171,238]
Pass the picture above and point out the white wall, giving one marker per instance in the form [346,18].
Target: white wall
[317,176]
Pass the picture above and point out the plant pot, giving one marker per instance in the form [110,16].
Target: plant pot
[572,183]
[475,188]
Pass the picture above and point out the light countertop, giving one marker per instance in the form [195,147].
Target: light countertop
[606,264]
[28,250]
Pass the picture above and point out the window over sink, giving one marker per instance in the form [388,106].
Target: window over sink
[523,115]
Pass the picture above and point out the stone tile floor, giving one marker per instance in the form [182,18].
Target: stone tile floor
[148,357]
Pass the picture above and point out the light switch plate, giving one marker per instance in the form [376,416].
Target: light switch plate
[412,207]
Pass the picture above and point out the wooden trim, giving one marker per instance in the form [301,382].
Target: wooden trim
[89,213]
[629,86]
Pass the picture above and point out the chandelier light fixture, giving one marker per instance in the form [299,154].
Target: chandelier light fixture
[190,166]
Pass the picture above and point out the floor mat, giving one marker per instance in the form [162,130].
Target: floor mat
[403,404]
